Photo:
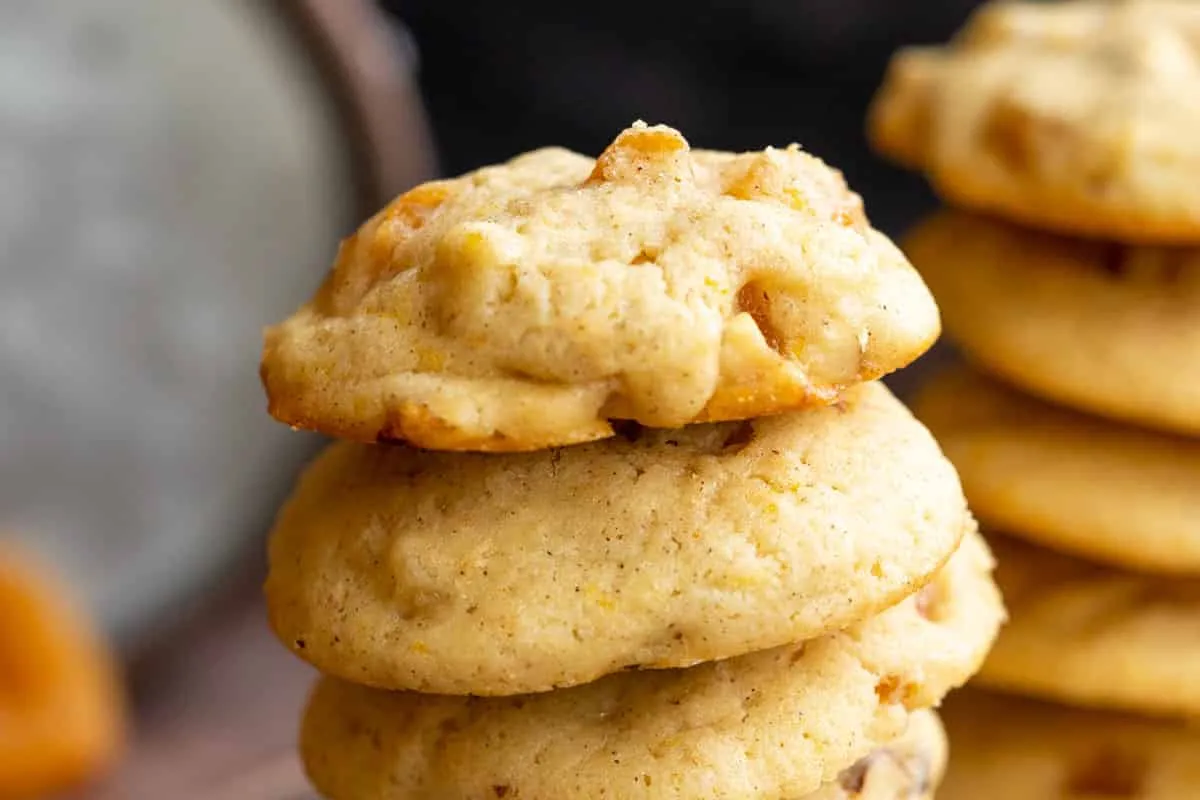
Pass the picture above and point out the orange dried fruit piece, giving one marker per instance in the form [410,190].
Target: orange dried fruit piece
[61,705]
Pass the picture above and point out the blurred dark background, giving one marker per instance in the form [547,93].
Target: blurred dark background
[501,78]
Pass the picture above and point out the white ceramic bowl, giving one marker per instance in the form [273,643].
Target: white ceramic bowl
[175,176]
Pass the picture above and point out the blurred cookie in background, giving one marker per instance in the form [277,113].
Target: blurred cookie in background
[1093,636]
[1006,747]
[62,715]
[1123,496]
[1106,328]
[1074,117]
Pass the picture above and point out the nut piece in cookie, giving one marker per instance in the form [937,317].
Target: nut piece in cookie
[526,305]
[906,768]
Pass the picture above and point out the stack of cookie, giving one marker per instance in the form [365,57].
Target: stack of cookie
[620,509]
[1069,133]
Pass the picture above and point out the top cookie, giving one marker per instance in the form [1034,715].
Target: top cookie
[525,305]
[1076,116]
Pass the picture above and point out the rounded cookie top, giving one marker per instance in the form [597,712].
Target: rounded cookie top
[526,305]
[653,549]
[774,724]
[1074,116]
[1103,491]
[1091,636]
[909,767]
[1108,329]
[1007,747]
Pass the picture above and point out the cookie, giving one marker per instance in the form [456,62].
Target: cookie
[1091,636]
[659,548]
[1075,117]
[774,724]
[62,715]
[1007,748]
[1106,492]
[1110,330]
[907,768]
[526,305]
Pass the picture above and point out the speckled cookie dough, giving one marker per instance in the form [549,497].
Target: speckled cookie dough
[907,768]
[654,549]
[769,725]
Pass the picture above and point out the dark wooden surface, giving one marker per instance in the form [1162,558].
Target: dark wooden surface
[216,709]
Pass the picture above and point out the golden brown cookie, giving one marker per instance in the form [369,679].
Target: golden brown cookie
[660,548]
[61,706]
[1091,636]
[1110,330]
[526,305]
[1007,748]
[774,724]
[1077,116]
[1100,490]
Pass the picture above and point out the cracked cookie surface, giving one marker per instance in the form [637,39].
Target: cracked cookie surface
[526,305]
[778,723]
[1077,116]
[655,548]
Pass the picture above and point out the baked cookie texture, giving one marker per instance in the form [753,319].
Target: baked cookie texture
[526,305]
[655,548]
[1007,748]
[1102,491]
[1095,637]
[1107,329]
[778,723]
[1077,117]
[909,767]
